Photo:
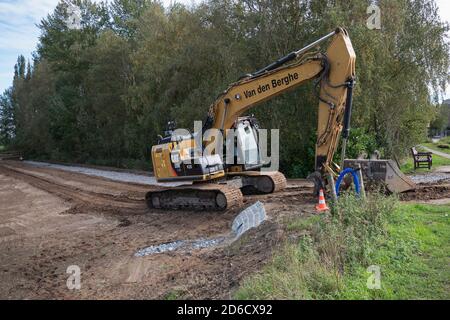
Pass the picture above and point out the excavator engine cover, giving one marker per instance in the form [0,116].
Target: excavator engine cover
[382,170]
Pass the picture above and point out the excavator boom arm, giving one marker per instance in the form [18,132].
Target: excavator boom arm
[183,158]
[252,91]
[335,71]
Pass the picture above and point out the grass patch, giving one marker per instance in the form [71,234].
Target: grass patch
[410,243]
[414,258]
[445,140]
[302,224]
[175,294]
[435,146]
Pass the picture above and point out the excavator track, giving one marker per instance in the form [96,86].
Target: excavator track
[256,182]
[279,181]
[207,196]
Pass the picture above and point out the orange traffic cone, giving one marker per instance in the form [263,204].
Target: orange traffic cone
[322,206]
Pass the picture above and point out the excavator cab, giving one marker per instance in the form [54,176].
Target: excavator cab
[178,157]
[244,146]
[184,157]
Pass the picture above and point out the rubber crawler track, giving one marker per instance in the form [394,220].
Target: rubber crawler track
[279,180]
[192,193]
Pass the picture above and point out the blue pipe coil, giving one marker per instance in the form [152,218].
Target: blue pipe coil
[355,180]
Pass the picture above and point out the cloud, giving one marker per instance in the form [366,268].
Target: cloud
[26,9]
[19,33]
[444,9]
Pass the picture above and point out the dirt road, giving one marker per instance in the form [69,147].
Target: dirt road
[51,219]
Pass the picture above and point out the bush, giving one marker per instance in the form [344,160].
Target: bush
[332,246]
[360,141]
[355,225]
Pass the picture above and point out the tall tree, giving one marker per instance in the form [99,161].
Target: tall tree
[102,92]
[6,118]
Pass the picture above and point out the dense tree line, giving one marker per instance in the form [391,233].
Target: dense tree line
[102,92]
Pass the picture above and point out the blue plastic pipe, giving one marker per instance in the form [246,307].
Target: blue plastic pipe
[355,180]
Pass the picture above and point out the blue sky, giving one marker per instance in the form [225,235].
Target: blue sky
[19,33]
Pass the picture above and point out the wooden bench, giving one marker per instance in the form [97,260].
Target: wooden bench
[420,158]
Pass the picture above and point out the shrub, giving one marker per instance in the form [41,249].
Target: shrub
[313,268]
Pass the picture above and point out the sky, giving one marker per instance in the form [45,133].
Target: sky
[19,33]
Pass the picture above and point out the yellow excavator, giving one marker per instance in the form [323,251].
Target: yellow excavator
[197,159]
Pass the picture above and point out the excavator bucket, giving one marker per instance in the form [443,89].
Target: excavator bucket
[382,170]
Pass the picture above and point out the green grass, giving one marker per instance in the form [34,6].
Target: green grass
[301,224]
[414,259]
[434,146]
[174,295]
[409,242]
[445,140]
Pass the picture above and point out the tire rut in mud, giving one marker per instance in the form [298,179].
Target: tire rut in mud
[98,201]
[427,192]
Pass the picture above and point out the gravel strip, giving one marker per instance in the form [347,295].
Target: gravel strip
[250,217]
[430,177]
[439,153]
[112,175]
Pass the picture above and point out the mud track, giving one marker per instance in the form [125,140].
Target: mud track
[51,219]
[426,192]
[78,196]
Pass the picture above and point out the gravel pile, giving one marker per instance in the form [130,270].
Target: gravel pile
[171,246]
[249,218]
[206,243]
[180,245]
[430,177]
